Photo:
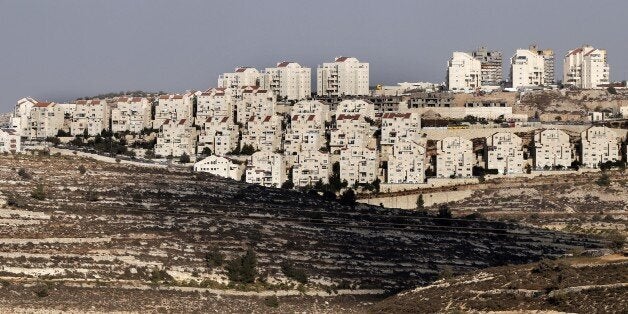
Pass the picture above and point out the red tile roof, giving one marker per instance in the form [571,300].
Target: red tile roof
[342,59]
[283,64]
[42,104]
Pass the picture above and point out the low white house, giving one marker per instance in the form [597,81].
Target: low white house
[551,149]
[504,152]
[455,158]
[267,169]
[599,145]
[220,166]
[407,162]
[10,141]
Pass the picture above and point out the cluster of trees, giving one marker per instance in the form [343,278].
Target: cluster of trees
[247,149]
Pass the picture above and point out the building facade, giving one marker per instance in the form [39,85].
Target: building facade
[176,138]
[407,162]
[289,81]
[346,76]
[358,165]
[491,66]
[599,145]
[527,69]
[586,67]
[552,149]
[464,72]
[310,167]
[267,169]
[504,152]
[455,158]
[220,166]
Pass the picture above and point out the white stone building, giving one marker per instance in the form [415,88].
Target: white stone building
[221,166]
[346,76]
[358,165]
[398,126]
[215,102]
[551,149]
[350,130]
[504,152]
[464,72]
[407,162]
[599,145]
[45,120]
[91,115]
[306,133]
[176,138]
[241,77]
[356,106]
[10,141]
[527,69]
[20,118]
[219,134]
[455,158]
[254,102]
[289,81]
[263,133]
[266,168]
[310,167]
[586,68]
[315,107]
[132,114]
[174,108]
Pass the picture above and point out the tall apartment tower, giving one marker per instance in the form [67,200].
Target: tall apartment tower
[288,80]
[463,72]
[586,67]
[548,57]
[527,69]
[491,64]
[345,76]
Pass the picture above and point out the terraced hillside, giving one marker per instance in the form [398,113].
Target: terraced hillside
[85,224]
[575,285]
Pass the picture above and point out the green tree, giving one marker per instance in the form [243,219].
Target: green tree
[420,203]
[348,198]
[444,211]
[244,268]
[184,158]
[287,185]
[214,258]
[206,151]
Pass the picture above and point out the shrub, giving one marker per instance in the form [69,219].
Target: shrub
[271,301]
[604,180]
[420,203]
[214,258]
[91,195]
[287,185]
[82,169]
[444,211]
[39,193]
[41,291]
[348,198]
[24,174]
[292,272]
[184,159]
[243,269]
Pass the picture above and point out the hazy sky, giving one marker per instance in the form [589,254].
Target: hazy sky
[62,49]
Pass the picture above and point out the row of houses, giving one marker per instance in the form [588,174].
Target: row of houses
[407,162]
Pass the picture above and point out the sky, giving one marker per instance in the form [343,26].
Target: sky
[63,49]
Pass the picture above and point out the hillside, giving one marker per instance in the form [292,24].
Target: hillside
[84,229]
[575,285]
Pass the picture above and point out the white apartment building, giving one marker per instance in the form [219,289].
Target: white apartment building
[399,126]
[310,167]
[20,118]
[289,81]
[91,115]
[267,169]
[504,152]
[263,133]
[586,67]
[548,58]
[241,77]
[551,149]
[599,145]
[219,134]
[314,107]
[131,114]
[407,162]
[215,102]
[220,166]
[623,111]
[455,158]
[176,138]
[10,141]
[464,72]
[350,130]
[356,106]
[345,76]
[305,133]
[254,102]
[174,108]
[45,120]
[527,69]
[358,165]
